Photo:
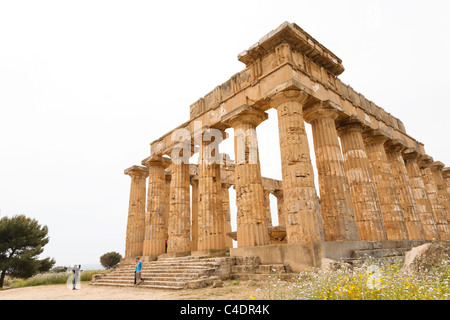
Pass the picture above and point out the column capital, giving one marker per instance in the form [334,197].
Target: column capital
[321,109]
[395,145]
[136,171]
[350,124]
[410,155]
[244,114]
[207,131]
[374,136]
[436,166]
[446,172]
[156,161]
[194,180]
[289,95]
[424,161]
[278,193]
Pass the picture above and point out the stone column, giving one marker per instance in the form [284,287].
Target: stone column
[446,176]
[339,221]
[167,210]
[420,194]
[210,213]
[267,207]
[436,169]
[439,213]
[194,213]
[362,187]
[393,219]
[226,214]
[136,212]
[280,206]
[301,203]
[251,217]
[155,220]
[402,182]
[179,237]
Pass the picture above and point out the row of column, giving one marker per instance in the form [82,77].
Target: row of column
[366,189]
[372,189]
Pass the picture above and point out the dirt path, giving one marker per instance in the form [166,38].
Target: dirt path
[229,291]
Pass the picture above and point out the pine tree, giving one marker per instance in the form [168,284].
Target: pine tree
[21,242]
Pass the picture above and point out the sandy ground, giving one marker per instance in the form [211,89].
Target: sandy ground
[229,291]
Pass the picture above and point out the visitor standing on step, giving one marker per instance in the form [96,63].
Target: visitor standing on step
[76,273]
[137,272]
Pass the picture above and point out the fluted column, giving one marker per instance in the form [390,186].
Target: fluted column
[280,206]
[362,187]
[251,217]
[226,214]
[167,210]
[301,203]
[420,194]
[339,221]
[439,213]
[179,237]
[155,220]
[210,213]
[436,169]
[136,212]
[406,198]
[194,213]
[446,176]
[393,219]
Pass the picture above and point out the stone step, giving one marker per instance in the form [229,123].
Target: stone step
[174,267]
[154,277]
[262,277]
[114,281]
[360,261]
[163,283]
[150,286]
[259,269]
[161,265]
[145,282]
[171,269]
[172,264]
[167,273]
[185,258]
[193,272]
[177,266]
[378,253]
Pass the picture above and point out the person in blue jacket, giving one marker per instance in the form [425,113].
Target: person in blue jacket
[137,272]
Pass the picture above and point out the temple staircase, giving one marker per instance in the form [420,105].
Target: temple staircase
[168,273]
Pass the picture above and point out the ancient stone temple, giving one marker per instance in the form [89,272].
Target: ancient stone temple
[378,187]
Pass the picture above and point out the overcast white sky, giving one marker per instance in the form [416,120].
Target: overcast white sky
[85,86]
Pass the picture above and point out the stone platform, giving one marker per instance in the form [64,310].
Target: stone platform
[252,263]
[307,256]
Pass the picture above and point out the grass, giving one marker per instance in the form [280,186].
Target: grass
[371,281]
[48,279]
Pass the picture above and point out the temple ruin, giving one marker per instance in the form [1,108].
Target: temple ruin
[379,189]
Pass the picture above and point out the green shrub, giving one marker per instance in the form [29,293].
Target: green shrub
[50,279]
